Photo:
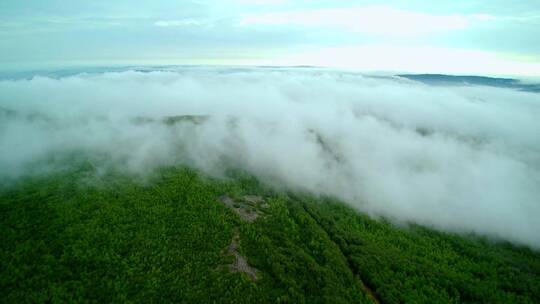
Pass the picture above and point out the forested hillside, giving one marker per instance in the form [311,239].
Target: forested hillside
[183,237]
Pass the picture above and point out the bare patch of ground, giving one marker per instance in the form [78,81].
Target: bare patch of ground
[240,263]
[248,207]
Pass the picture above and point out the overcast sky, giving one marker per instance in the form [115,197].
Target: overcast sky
[492,37]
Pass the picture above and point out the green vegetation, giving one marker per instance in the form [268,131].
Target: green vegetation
[420,265]
[75,237]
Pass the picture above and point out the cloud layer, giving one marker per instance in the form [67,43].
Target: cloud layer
[461,158]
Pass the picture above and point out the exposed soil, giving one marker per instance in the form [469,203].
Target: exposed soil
[240,263]
[248,207]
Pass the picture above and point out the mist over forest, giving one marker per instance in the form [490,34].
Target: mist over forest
[461,158]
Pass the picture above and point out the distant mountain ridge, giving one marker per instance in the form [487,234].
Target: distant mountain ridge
[429,79]
[441,79]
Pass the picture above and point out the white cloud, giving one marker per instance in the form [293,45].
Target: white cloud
[464,159]
[369,20]
[262,2]
[179,23]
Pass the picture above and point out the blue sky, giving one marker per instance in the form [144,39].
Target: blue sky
[447,36]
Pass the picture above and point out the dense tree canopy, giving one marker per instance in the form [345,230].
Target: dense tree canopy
[74,237]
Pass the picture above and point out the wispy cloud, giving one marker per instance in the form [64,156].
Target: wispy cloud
[524,18]
[370,20]
[179,23]
[262,2]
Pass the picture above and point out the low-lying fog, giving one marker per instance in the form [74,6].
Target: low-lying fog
[460,158]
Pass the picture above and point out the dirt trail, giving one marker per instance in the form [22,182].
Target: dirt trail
[240,263]
[249,208]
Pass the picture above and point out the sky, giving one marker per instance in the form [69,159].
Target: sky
[492,37]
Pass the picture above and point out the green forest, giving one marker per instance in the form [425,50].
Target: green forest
[180,236]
